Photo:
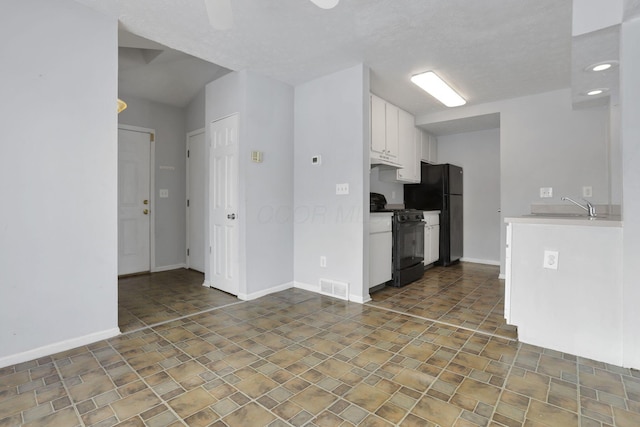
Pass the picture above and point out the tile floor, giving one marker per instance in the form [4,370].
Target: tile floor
[464,294]
[296,358]
[149,299]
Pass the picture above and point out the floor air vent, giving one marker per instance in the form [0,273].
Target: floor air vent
[334,288]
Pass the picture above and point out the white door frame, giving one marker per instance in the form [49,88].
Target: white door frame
[152,187]
[188,242]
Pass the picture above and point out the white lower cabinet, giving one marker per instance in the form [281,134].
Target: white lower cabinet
[431,237]
[380,245]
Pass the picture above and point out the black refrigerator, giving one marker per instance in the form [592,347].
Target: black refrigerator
[440,189]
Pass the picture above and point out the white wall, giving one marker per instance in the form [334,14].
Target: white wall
[630,135]
[58,178]
[332,120]
[195,112]
[265,107]
[268,185]
[393,191]
[478,153]
[170,174]
[544,143]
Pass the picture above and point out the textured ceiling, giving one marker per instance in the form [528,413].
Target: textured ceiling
[488,50]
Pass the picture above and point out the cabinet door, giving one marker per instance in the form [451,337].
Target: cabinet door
[434,251]
[407,147]
[433,149]
[378,134]
[427,245]
[422,141]
[391,121]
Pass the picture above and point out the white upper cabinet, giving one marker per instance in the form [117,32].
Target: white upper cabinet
[408,152]
[428,146]
[392,126]
[394,142]
[378,128]
[384,132]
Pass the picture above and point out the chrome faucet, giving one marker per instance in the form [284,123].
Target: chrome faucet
[589,208]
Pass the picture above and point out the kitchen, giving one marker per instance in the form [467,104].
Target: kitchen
[538,135]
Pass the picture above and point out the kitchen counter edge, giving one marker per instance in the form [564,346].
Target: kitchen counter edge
[610,221]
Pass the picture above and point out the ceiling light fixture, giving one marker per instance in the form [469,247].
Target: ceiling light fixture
[601,66]
[437,88]
[121,105]
[596,92]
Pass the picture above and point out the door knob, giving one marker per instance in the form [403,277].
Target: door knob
[231,216]
[146,211]
[146,202]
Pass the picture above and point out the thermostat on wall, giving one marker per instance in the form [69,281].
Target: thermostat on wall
[316,160]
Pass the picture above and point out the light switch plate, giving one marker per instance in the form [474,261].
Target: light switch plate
[550,260]
[342,189]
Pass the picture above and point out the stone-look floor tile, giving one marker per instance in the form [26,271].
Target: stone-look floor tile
[313,399]
[64,418]
[297,358]
[191,402]
[249,415]
[135,404]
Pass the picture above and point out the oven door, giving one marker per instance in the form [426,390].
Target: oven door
[409,244]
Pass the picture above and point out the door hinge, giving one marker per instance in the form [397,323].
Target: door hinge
[152,137]
[187,252]
[187,202]
[188,153]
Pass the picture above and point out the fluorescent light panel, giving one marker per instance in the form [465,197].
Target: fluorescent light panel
[437,88]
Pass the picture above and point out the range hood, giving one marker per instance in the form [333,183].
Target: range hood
[384,163]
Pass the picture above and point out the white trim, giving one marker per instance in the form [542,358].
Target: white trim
[359,299]
[188,189]
[169,267]
[272,290]
[58,347]
[316,289]
[502,276]
[480,261]
[206,283]
[307,287]
[152,190]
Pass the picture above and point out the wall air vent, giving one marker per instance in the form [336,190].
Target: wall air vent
[334,288]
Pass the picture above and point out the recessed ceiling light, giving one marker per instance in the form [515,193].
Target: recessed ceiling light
[601,66]
[437,88]
[596,92]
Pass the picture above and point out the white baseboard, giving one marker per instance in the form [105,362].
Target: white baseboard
[307,287]
[502,276]
[480,261]
[359,299]
[168,267]
[272,290]
[57,347]
[316,289]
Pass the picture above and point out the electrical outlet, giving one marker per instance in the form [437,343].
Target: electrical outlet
[550,260]
[342,189]
[546,192]
[164,193]
[323,261]
[587,191]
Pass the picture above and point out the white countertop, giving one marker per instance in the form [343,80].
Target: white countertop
[563,219]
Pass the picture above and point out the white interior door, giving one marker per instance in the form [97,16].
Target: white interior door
[196,179]
[134,151]
[223,205]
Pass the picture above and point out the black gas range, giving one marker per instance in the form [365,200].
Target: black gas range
[408,241]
